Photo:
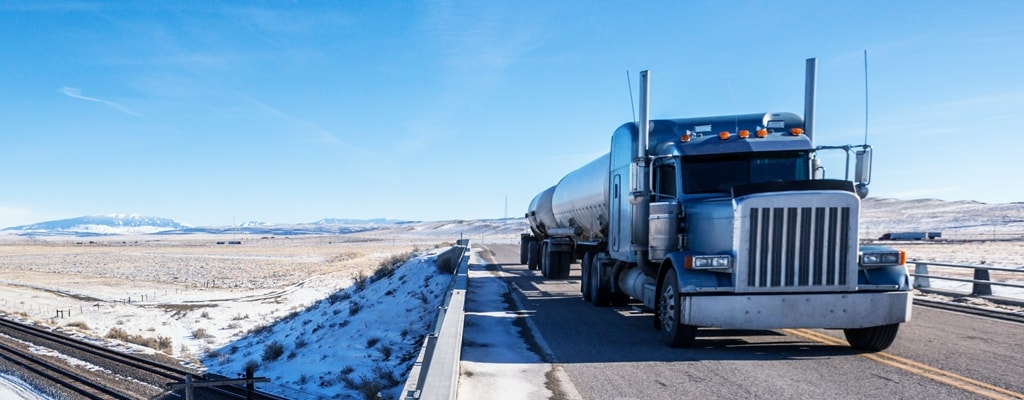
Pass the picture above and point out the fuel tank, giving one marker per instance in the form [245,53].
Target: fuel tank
[578,201]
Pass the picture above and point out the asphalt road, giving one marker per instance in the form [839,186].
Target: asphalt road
[615,353]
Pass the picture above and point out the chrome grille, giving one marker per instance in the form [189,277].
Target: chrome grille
[798,249]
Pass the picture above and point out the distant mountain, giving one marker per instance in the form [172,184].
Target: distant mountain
[347,221]
[110,224]
[121,224]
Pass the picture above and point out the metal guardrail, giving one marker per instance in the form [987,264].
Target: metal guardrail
[982,282]
[438,361]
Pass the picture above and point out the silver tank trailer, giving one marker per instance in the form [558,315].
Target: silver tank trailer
[580,201]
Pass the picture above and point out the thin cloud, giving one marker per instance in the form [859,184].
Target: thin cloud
[77,94]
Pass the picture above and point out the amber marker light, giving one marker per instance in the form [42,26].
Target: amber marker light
[796,131]
[762,133]
[685,138]
[744,134]
[723,135]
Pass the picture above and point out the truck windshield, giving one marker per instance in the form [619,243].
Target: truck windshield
[721,172]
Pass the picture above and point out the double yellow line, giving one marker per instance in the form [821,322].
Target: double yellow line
[977,387]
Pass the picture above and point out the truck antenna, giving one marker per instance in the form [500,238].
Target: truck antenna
[865,97]
[632,106]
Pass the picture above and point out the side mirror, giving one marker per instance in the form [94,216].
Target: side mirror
[862,173]
[863,166]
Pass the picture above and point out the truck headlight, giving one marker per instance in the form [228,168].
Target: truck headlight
[883,258]
[708,262]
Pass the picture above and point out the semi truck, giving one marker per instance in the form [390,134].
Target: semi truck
[724,222]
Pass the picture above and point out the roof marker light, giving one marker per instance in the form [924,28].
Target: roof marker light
[723,135]
[685,137]
[796,131]
[744,134]
[762,133]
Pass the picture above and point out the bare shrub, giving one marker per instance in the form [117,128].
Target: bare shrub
[339,296]
[159,343]
[79,324]
[272,351]
[382,378]
[385,352]
[201,333]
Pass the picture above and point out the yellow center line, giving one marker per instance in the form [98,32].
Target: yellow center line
[916,368]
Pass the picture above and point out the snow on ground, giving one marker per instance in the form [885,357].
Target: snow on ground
[494,354]
[222,305]
[13,388]
[358,342]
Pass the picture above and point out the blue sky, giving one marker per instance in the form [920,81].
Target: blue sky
[211,113]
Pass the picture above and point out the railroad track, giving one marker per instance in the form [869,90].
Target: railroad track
[61,377]
[114,375]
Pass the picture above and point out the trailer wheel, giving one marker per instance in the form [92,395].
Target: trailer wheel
[588,258]
[670,314]
[562,261]
[524,250]
[533,261]
[875,338]
[545,260]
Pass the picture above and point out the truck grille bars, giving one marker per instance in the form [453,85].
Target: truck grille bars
[797,249]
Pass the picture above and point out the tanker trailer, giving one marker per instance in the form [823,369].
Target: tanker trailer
[723,222]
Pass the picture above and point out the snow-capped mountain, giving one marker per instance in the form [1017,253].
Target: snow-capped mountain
[349,221]
[110,224]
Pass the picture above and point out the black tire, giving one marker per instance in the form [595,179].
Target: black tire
[588,258]
[600,296]
[670,313]
[533,263]
[562,263]
[524,251]
[875,338]
[545,260]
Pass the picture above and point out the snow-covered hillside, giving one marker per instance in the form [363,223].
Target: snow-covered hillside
[956,219]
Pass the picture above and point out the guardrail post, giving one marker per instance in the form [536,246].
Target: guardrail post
[981,289]
[921,282]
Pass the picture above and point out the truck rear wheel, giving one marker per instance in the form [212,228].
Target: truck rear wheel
[670,313]
[875,338]
[600,296]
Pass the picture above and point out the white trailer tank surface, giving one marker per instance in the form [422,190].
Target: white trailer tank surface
[581,199]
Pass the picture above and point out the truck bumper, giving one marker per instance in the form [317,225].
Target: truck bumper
[774,311]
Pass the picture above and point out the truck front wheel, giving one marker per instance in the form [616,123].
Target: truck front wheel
[875,338]
[670,313]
